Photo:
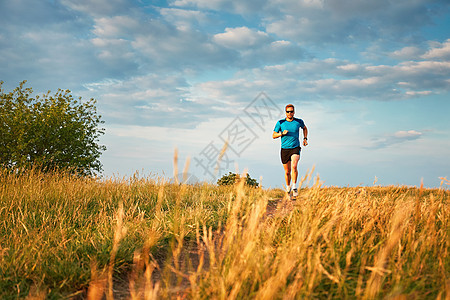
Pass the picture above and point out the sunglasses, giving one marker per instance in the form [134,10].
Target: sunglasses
[289,111]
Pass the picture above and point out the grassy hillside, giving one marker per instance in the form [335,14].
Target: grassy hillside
[62,236]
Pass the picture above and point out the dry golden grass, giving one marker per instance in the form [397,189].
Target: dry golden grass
[143,238]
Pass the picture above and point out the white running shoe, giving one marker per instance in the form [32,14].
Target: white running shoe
[294,193]
[288,189]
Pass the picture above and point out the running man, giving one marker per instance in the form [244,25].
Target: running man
[289,129]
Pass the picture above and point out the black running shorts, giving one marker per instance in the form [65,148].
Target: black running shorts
[287,153]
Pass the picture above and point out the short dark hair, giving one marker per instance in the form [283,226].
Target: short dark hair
[289,105]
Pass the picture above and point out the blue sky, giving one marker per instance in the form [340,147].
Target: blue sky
[370,79]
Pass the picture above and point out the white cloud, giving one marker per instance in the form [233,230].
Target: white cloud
[407,53]
[435,51]
[418,93]
[410,134]
[350,67]
[300,29]
[241,37]
[439,52]
[209,4]
[98,7]
[184,18]
[398,137]
[115,27]
[240,7]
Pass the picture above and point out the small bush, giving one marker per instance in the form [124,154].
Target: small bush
[232,178]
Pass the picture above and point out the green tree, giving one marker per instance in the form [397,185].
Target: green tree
[49,132]
[232,178]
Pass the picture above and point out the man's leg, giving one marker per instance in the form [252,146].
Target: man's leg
[287,174]
[294,162]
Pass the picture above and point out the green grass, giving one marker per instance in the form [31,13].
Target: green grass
[63,236]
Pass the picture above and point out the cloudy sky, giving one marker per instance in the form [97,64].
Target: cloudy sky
[370,79]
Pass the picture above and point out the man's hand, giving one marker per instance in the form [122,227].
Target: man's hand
[305,142]
[284,132]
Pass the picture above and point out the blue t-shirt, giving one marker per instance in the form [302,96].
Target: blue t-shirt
[290,140]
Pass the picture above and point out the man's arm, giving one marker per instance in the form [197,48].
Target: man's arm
[305,136]
[276,135]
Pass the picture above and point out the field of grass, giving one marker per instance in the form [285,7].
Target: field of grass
[68,237]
